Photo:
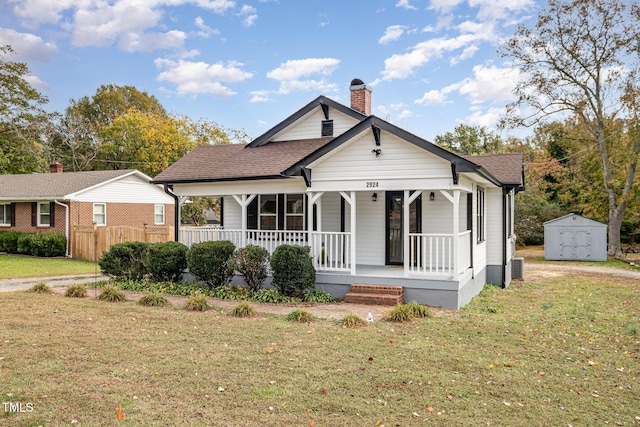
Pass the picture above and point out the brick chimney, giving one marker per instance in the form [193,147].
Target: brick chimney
[55,167]
[360,96]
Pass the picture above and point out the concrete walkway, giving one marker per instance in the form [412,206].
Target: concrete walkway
[53,281]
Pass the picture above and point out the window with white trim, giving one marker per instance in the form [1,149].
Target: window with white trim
[294,216]
[44,214]
[268,211]
[480,214]
[158,214]
[100,213]
[5,214]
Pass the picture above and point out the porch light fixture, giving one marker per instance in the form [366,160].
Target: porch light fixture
[378,151]
[432,196]
[374,197]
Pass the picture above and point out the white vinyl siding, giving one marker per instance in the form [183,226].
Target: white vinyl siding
[232,214]
[130,189]
[310,125]
[44,214]
[331,212]
[355,161]
[100,213]
[493,221]
[370,229]
[158,214]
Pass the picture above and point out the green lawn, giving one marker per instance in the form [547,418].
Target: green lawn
[546,352]
[16,266]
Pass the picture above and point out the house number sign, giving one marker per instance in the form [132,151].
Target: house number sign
[372,184]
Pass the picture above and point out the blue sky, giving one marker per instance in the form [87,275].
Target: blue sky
[247,65]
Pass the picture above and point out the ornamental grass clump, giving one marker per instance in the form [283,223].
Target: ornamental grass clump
[301,315]
[196,303]
[153,299]
[243,310]
[419,311]
[112,294]
[40,288]
[76,291]
[352,320]
[399,314]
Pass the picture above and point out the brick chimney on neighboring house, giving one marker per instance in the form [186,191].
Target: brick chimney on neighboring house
[360,96]
[55,167]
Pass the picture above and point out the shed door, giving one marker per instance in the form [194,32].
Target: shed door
[575,243]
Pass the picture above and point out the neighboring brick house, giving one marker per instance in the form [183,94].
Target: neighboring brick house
[58,201]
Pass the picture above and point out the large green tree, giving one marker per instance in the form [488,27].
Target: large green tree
[471,140]
[21,117]
[583,57]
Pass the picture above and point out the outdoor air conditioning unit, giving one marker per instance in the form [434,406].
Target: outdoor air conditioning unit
[517,268]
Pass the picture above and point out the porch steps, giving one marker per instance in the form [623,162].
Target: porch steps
[375,294]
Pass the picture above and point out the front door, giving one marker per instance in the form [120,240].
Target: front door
[394,225]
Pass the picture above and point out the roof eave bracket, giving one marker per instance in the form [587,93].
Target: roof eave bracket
[376,134]
[325,110]
[454,173]
[306,174]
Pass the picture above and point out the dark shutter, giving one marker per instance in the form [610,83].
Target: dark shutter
[469,211]
[342,214]
[221,212]
[252,214]
[34,214]
[52,214]
[281,211]
[12,212]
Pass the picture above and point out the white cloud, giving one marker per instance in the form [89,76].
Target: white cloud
[42,11]
[499,9]
[134,42]
[205,30]
[444,5]
[249,14]
[405,5]
[405,114]
[490,84]
[401,66]
[27,47]
[294,75]
[487,118]
[433,97]
[260,96]
[392,33]
[36,82]
[194,78]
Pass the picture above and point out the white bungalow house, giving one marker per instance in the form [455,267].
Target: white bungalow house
[376,204]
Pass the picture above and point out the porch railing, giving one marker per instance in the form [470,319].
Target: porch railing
[330,251]
[431,254]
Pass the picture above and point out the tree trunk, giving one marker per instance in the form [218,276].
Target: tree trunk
[616,215]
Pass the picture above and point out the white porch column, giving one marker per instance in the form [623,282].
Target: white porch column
[455,200]
[351,199]
[181,201]
[408,199]
[244,200]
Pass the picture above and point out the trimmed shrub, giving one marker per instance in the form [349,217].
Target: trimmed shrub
[252,262]
[301,315]
[153,300]
[210,262]
[196,303]
[40,288]
[112,294]
[9,241]
[352,320]
[166,261]
[76,291]
[48,244]
[125,260]
[243,310]
[292,270]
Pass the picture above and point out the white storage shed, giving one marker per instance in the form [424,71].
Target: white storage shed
[576,238]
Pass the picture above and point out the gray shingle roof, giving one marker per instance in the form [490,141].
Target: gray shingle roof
[237,161]
[53,185]
[507,168]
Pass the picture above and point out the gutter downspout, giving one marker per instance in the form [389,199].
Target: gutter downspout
[504,237]
[176,215]
[66,224]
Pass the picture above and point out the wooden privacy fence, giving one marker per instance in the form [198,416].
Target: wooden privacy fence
[90,241]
